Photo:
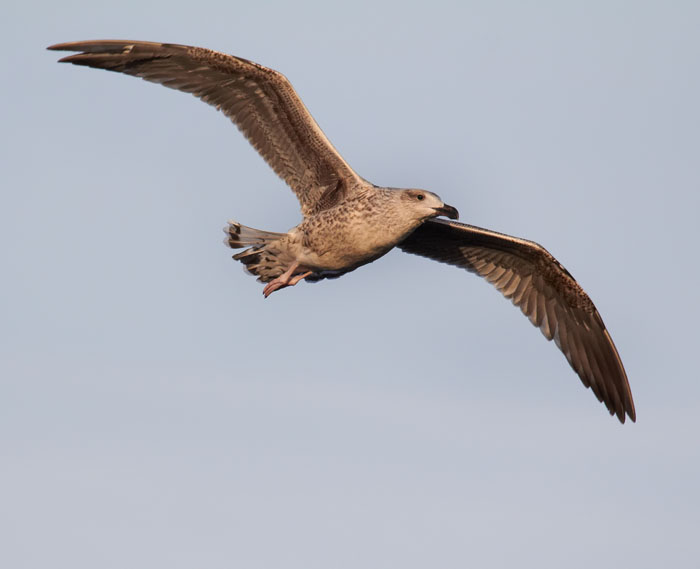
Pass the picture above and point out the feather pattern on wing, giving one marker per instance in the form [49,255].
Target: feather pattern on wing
[260,101]
[544,290]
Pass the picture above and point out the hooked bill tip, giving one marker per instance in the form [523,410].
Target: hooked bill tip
[448,211]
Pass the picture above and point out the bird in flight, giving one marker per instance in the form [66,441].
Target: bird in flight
[349,222]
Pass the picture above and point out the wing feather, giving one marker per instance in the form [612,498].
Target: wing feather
[545,292]
[260,101]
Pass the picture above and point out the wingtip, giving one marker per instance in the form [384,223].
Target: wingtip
[64,46]
[68,58]
[60,47]
[626,410]
[631,411]
[626,414]
[67,46]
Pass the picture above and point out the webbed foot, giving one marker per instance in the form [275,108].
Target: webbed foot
[285,279]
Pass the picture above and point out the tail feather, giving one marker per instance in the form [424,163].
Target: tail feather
[262,258]
[239,236]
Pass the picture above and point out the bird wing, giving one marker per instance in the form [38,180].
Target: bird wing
[260,101]
[543,289]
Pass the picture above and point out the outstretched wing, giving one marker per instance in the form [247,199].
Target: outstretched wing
[260,101]
[546,293]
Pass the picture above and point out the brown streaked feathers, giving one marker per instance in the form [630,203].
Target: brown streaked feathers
[260,101]
[545,292]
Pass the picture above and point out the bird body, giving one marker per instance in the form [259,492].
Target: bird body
[349,222]
[335,241]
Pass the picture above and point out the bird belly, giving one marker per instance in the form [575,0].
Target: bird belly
[344,238]
[340,259]
[345,251]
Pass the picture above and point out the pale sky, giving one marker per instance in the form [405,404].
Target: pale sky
[157,411]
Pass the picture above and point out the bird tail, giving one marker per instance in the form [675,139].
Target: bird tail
[262,258]
[239,236]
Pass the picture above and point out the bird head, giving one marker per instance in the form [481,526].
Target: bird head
[427,204]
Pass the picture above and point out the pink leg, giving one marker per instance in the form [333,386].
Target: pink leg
[284,280]
[294,280]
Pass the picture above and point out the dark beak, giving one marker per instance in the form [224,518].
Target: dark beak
[448,211]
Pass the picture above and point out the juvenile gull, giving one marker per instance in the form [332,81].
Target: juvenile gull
[349,222]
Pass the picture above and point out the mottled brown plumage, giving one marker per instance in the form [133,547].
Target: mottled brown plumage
[349,222]
[260,101]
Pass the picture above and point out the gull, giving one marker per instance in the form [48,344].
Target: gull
[349,222]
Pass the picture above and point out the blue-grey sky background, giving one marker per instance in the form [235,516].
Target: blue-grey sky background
[156,411]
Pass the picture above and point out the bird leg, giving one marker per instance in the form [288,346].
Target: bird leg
[285,279]
[295,279]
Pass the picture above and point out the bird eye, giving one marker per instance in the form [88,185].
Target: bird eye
[420,197]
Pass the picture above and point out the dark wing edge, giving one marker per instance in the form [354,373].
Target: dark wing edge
[261,102]
[545,292]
